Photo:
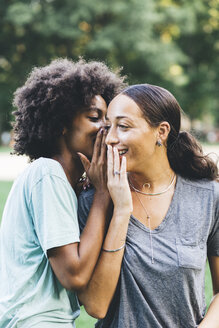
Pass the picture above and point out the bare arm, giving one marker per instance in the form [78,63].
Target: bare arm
[98,294]
[211,319]
[96,297]
[73,264]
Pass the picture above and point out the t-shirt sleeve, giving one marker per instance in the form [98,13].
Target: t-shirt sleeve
[85,201]
[213,239]
[54,212]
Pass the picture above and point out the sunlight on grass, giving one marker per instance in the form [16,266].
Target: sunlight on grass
[85,321]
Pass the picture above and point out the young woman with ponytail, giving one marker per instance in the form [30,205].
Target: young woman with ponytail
[174,226]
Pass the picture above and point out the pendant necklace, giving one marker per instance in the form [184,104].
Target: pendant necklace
[156,193]
[149,226]
[147,215]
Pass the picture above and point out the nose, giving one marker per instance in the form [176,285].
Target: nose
[100,124]
[103,122]
[112,138]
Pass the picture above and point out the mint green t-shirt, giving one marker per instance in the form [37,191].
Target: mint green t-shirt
[40,213]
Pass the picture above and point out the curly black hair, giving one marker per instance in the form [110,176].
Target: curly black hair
[52,96]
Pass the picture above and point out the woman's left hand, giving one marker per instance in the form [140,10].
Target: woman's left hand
[117,181]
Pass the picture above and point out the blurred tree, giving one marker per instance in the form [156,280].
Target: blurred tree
[172,43]
[194,27]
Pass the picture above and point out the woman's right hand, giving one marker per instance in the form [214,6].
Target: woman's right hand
[117,181]
[96,169]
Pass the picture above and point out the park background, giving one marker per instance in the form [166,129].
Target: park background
[170,43]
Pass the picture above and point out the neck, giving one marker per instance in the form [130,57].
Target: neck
[152,178]
[72,167]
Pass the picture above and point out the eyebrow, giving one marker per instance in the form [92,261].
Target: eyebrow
[94,108]
[117,117]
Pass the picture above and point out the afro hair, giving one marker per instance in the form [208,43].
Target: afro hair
[52,96]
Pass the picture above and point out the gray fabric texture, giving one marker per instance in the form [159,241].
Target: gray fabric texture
[171,292]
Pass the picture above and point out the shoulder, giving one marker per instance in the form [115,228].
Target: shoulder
[43,171]
[200,185]
[47,166]
[202,190]
[46,179]
[44,167]
[87,195]
[85,201]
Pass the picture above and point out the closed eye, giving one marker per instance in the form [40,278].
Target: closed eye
[93,119]
[107,127]
[122,126]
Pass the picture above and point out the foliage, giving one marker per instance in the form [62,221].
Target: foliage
[172,43]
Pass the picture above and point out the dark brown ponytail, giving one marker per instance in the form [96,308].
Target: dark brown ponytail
[187,159]
[184,153]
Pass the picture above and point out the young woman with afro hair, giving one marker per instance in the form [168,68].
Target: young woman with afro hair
[59,119]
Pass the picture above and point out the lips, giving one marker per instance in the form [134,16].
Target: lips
[122,152]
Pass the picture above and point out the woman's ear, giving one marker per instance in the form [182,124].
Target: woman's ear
[163,132]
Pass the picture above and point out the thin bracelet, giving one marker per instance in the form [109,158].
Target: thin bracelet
[113,250]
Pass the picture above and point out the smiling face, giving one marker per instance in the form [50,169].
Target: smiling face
[130,133]
[81,137]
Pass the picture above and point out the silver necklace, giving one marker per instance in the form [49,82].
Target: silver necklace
[147,215]
[149,226]
[156,193]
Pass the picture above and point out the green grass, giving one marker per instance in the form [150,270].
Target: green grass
[208,285]
[85,321]
[4,149]
[5,187]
